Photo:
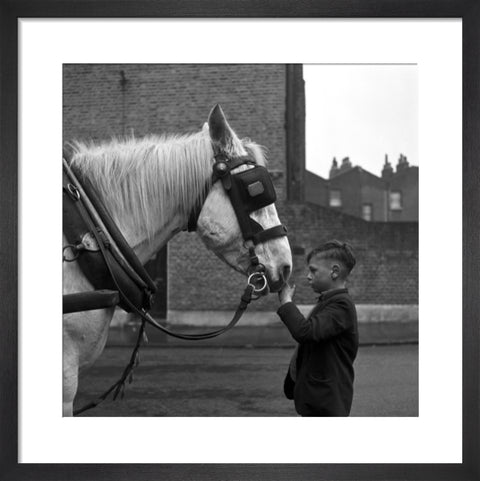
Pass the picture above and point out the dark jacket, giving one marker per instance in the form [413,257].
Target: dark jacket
[328,344]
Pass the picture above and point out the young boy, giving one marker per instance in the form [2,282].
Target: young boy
[320,378]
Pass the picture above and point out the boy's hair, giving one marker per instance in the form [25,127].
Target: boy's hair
[336,250]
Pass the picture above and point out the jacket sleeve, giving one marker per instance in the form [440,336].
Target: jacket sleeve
[326,323]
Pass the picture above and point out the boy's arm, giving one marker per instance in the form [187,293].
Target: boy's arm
[326,323]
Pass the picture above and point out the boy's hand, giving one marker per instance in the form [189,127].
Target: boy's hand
[286,293]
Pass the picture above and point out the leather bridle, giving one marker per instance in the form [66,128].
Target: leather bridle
[248,191]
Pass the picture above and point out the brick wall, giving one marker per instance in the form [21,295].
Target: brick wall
[316,189]
[175,99]
[178,99]
[386,253]
[386,270]
[101,101]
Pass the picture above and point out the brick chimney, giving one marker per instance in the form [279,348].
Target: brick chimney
[346,164]
[387,170]
[334,168]
[402,163]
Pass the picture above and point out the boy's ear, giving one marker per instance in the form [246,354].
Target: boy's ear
[335,271]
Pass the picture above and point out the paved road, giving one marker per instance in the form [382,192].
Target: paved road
[217,381]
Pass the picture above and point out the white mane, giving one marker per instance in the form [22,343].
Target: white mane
[143,179]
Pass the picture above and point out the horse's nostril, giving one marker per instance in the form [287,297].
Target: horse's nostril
[286,272]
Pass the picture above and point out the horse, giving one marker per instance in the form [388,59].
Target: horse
[150,186]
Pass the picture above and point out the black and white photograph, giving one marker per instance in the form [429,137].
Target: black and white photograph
[283,197]
[265,216]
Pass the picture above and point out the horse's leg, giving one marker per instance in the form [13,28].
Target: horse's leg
[70,373]
[70,384]
[84,338]
[84,334]
[68,396]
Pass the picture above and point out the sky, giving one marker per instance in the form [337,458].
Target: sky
[362,112]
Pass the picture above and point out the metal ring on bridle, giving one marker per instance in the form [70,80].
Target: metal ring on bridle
[73,191]
[74,250]
[258,275]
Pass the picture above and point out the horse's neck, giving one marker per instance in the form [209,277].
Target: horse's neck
[145,248]
[164,228]
[169,215]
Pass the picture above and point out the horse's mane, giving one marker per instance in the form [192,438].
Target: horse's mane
[144,178]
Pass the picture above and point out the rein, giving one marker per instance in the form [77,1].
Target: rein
[118,388]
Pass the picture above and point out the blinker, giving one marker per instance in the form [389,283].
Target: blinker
[249,191]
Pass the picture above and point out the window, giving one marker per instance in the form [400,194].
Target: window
[395,200]
[335,198]
[367,212]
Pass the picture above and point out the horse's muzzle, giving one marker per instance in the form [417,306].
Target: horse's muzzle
[277,285]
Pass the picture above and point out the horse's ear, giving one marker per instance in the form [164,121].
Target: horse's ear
[220,132]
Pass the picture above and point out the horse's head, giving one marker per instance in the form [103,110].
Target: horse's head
[238,213]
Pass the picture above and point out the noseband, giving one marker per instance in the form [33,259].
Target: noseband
[249,190]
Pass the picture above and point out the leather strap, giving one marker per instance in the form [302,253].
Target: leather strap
[268,234]
[231,164]
[117,235]
[118,387]
[104,266]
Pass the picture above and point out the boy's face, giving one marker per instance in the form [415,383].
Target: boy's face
[320,274]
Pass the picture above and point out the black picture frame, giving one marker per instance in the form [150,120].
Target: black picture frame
[11,10]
